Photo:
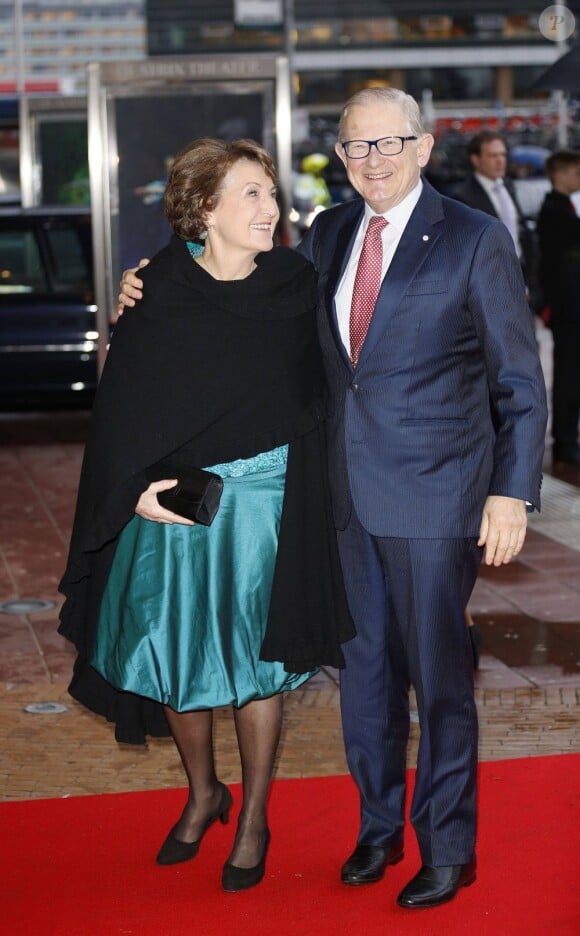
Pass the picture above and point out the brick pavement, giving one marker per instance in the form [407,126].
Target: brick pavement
[528,687]
[73,753]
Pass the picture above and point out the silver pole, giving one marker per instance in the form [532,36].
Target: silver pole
[97,155]
[289,27]
[284,126]
[19,48]
[562,98]
[562,104]
[28,172]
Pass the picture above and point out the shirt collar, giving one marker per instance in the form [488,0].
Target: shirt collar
[486,183]
[400,214]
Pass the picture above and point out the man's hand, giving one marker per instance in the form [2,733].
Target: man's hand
[503,529]
[131,287]
[149,508]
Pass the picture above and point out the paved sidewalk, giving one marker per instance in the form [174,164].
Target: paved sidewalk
[528,686]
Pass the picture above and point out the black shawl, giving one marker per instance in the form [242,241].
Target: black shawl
[201,372]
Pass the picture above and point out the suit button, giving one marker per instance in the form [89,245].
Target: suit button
[353,387]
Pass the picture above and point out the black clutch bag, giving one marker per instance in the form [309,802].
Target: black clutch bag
[196,496]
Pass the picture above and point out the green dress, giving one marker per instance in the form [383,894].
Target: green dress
[185,608]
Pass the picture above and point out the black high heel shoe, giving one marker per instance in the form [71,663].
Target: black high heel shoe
[236,879]
[173,850]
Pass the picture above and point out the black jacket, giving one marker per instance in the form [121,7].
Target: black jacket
[559,236]
[472,193]
[202,372]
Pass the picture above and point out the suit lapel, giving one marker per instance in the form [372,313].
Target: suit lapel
[482,199]
[514,197]
[419,237]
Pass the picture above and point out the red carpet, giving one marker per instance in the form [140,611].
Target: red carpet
[85,866]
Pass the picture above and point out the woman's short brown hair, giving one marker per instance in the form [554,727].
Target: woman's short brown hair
[196,178]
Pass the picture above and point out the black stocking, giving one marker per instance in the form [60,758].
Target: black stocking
[258,726]
[193,736]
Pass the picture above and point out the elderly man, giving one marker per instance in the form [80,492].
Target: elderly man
[436,432]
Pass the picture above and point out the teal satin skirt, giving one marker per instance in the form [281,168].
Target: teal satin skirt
[185,608]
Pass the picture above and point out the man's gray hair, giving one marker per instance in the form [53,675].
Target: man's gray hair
[403,100]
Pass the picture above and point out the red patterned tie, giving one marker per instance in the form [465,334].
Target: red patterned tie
[366,285]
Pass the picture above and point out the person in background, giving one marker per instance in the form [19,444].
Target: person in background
[219,369]
[490,190]
[559,237]
[436,425]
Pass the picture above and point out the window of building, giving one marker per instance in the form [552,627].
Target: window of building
[523,79]
[451,84]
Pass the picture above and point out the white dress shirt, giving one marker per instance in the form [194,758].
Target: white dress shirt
[512,223]
[398,219]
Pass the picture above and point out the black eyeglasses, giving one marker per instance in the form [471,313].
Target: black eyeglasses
[386,146]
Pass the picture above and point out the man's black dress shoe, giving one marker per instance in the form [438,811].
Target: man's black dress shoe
[368,862]
[434,886]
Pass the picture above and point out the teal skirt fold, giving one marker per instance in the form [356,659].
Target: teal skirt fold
[185,608]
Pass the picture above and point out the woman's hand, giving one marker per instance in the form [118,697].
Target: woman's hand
[131,287]
[149,508]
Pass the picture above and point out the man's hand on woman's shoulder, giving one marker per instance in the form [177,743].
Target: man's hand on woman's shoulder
[131,287]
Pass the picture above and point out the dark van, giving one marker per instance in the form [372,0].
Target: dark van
[48,335]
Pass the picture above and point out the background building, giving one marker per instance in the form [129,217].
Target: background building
[44,49]
[45,45]
[461,51]
[469,63]
[481,51]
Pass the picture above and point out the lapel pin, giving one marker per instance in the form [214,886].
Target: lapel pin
[425,237]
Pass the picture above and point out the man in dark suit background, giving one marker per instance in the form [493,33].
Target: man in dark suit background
[490,190]
[436,425]
[487,153]
[559,234]
[436,441]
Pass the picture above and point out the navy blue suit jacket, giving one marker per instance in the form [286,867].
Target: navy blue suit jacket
[448,403]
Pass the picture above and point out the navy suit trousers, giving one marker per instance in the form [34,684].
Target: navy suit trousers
[407,598]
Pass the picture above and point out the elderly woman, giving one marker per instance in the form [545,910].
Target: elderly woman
[218,369]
